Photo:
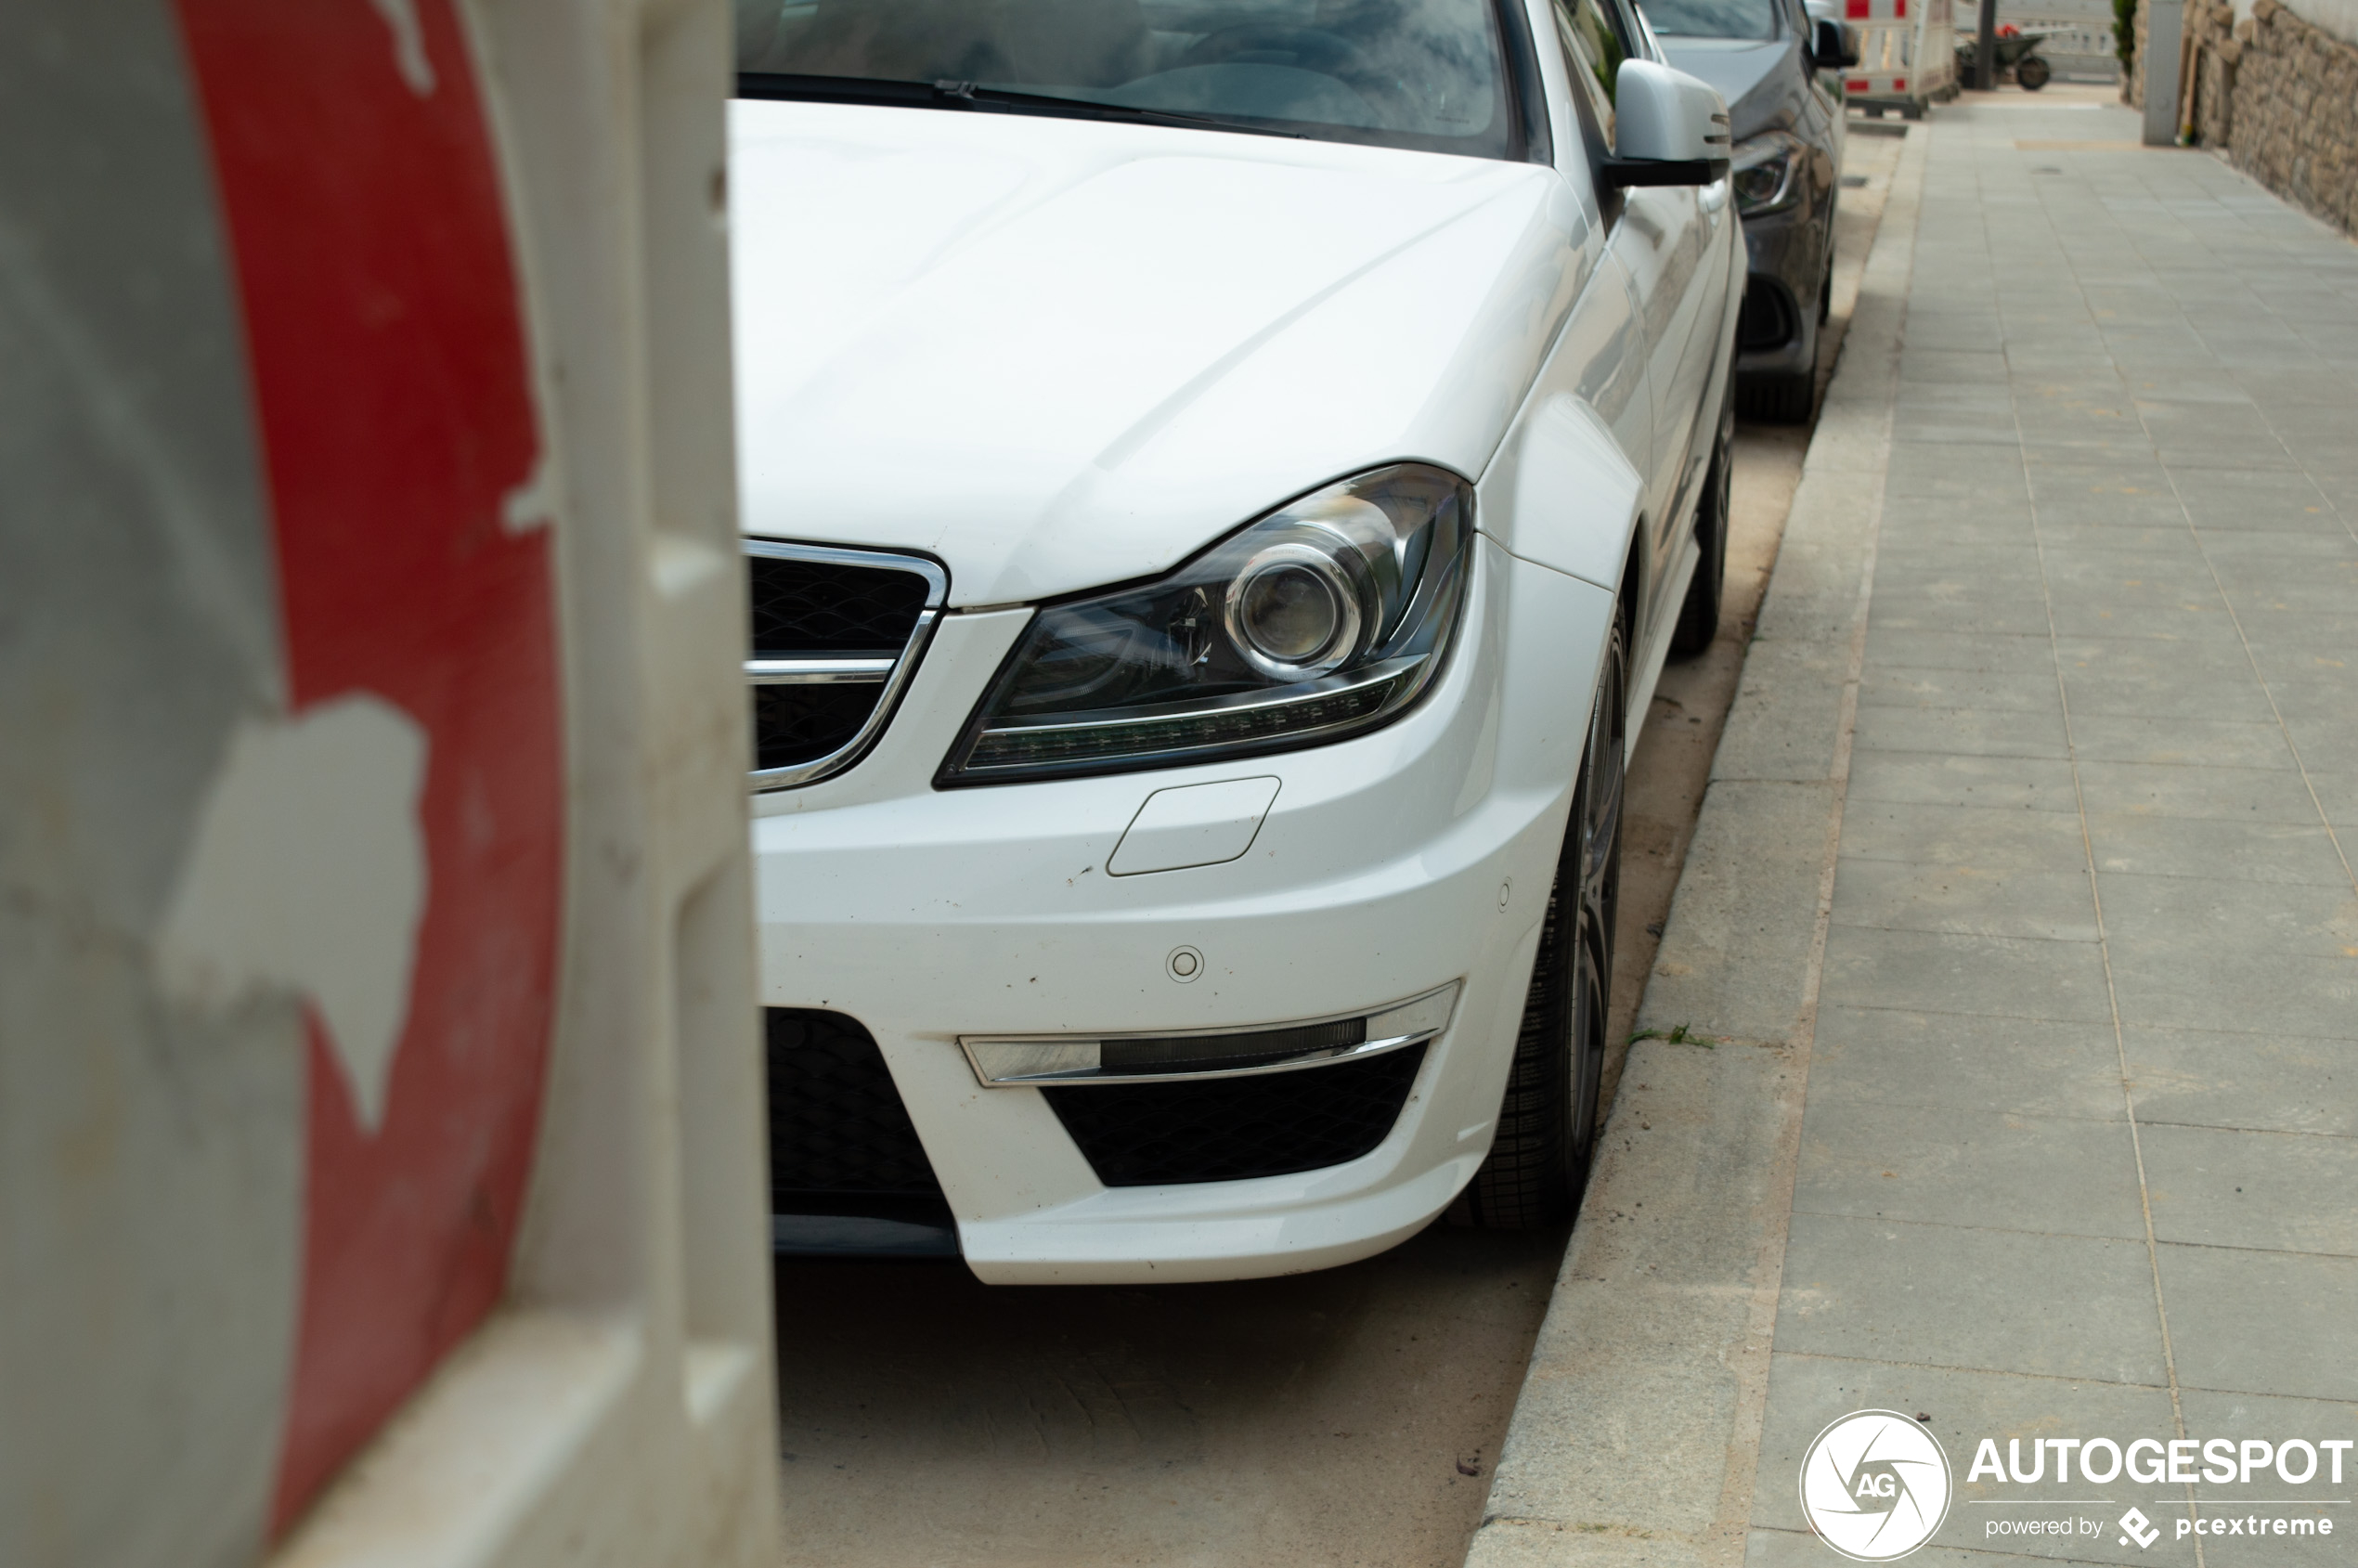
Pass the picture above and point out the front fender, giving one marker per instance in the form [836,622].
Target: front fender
[1565,491]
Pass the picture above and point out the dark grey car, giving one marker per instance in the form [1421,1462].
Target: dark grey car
[1765,57]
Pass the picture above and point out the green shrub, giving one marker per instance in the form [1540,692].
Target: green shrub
[2124,32]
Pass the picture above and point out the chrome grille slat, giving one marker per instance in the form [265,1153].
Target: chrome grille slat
[843,627]
[819,671]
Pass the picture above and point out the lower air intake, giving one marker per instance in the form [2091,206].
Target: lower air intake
[839,1136]
[1233,1129]
[1767,319]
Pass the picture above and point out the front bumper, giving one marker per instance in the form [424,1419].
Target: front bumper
[1786,254]
[1386,865]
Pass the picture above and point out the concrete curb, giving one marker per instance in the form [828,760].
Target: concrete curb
[1637,1434]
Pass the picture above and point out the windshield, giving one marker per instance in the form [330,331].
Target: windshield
[1712,18]
[1422,73]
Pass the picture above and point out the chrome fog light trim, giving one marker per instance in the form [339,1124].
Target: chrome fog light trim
[1190,1056]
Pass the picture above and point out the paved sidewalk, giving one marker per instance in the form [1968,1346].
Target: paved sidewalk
[2053,722]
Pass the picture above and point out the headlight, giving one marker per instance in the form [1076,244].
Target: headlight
[1766,171]
[1324,619]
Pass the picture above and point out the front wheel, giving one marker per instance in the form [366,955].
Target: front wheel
[2033,73]
[1547,1132]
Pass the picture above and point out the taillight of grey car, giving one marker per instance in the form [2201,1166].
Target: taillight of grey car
[1323,619]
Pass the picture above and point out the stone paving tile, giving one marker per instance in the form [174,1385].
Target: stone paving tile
[2123,471]
[2020,611]
[2255,1322]
[2001,1300]
[2268,1081]
[1961,731]
[2068,503]
[1942,834]
[2285,1192]
[1881,1055]
[1952,365]
[1965,898]
[2190,984]
[1939,520]
[2100,687]
[2120,547]
[2272,795]
[2213,849]
[2229,498]
[2206,742]
[1950,1165]
[2144,608]
[2030,691]
[1921,648]
[1936,972]
[1932,778]
[2245,554]
[2236,922]
[2261,595]
[2006,580]
[1934,553]
[2181,460]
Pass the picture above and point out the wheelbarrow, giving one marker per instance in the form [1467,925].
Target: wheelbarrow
[2018,57]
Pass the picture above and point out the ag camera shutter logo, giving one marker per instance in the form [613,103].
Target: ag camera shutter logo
[1874,1486]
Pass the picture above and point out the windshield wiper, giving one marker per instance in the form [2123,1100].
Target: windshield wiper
[973,96]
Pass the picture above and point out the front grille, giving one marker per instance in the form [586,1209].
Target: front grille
[1232,1129]
[1767,319]
[833,636]
[838,1128]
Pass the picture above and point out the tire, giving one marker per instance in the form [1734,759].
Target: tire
[2033,73]
[1546,1134]
[1699,615]
[1778,399]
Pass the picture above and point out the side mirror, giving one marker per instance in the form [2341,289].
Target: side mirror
[1669,128]
[1832,47]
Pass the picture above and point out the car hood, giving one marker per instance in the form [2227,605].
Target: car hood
[1760,81]
[1059,353]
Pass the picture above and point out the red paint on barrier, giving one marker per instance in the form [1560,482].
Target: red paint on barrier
[389,369]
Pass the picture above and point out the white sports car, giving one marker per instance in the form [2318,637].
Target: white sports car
[1218,479]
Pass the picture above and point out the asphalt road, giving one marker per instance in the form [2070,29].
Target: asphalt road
[1347,1417]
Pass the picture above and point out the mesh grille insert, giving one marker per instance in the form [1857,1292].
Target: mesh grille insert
[838,1128]
[794,724]
[1232,1129]
[821,607]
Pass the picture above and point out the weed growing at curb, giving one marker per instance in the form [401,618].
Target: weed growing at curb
[1678,1036]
